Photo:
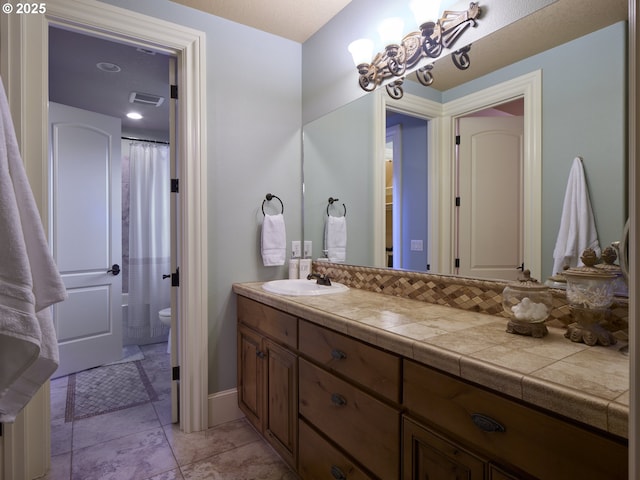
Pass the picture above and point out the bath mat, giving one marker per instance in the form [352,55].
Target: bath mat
[107,389]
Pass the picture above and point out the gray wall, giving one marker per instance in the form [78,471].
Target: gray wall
[338,162]
[253,140]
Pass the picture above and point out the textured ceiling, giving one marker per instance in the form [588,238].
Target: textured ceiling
[293,19]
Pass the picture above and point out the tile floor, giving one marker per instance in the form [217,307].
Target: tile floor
[141,443]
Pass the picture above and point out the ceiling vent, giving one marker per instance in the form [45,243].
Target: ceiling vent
[146,99]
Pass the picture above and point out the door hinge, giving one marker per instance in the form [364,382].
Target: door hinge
[175,278]
[457,139]
[428,267]
[457,201]
[174,91]
[457,263]
[175,185]
[175,373]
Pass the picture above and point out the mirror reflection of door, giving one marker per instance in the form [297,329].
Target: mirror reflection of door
[392,178]
[407,219]
[489,234]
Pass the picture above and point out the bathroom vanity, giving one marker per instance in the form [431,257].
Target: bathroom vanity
[361,385]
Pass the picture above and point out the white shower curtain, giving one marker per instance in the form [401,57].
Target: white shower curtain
[149,241]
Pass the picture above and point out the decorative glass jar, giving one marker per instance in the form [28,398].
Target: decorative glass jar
[590,294]
[527,303]
[588,286]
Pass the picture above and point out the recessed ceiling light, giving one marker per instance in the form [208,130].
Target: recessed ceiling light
[108,67]
[134,115]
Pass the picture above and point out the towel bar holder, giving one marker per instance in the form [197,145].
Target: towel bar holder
[270,197]
[331,202]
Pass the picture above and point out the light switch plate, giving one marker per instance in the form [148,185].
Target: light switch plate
[307,249]
[295,248]
[416,245]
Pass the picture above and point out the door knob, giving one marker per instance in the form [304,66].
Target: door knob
[115,269]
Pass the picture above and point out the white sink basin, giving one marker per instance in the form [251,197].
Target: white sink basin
[302,287]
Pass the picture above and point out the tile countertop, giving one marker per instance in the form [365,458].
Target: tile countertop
[587,384]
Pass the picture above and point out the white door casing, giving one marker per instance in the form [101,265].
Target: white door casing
[490,173]
[175,250]
[85,235]
[441,128]
[529,88]
[24,66]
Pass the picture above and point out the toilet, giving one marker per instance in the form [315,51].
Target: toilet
[165,318]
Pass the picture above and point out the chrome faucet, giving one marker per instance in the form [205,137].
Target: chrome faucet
[320,279]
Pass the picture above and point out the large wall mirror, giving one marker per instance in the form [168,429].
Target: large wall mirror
[351,153]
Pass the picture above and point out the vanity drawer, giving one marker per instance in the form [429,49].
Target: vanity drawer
[319,459]
[359,423]
[539,444]
[278,325]
[362,363]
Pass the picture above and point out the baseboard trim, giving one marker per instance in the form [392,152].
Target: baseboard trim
[223,407]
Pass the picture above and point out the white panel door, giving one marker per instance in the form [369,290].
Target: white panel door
[490,173]
[85,234]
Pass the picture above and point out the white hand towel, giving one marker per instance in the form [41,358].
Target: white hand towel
[274,240]
[336,238]
[577,225]
[29,282]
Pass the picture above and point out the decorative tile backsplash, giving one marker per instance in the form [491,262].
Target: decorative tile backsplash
[483,296]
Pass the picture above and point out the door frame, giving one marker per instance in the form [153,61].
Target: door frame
[441,130]
[529,88]
[418,107]
[24,68]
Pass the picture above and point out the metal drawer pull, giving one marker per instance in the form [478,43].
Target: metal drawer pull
[260,354]
[337,473]
[486,424]
[338,400]
[338,354]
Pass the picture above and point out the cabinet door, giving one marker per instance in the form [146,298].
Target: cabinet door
[281,413]
[427,455]
[360,424]
[319,459]
[250,376]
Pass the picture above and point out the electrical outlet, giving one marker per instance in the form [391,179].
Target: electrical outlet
[307,249]
[416,245]
[295,249]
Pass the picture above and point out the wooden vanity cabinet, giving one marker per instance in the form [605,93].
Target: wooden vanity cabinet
[451,420]
[349,392]
[336,407]
[268,374]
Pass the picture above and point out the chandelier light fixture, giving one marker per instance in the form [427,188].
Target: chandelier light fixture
[400,57]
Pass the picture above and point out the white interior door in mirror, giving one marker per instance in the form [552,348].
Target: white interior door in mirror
[490,223]
[85,235]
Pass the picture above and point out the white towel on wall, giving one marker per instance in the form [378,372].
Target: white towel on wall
[577,224]
[336,238]
[29,282]
[274,240]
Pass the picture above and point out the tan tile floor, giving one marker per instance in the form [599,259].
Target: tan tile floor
[141,443]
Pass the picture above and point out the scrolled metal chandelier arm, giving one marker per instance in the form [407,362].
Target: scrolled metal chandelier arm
[430,42]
